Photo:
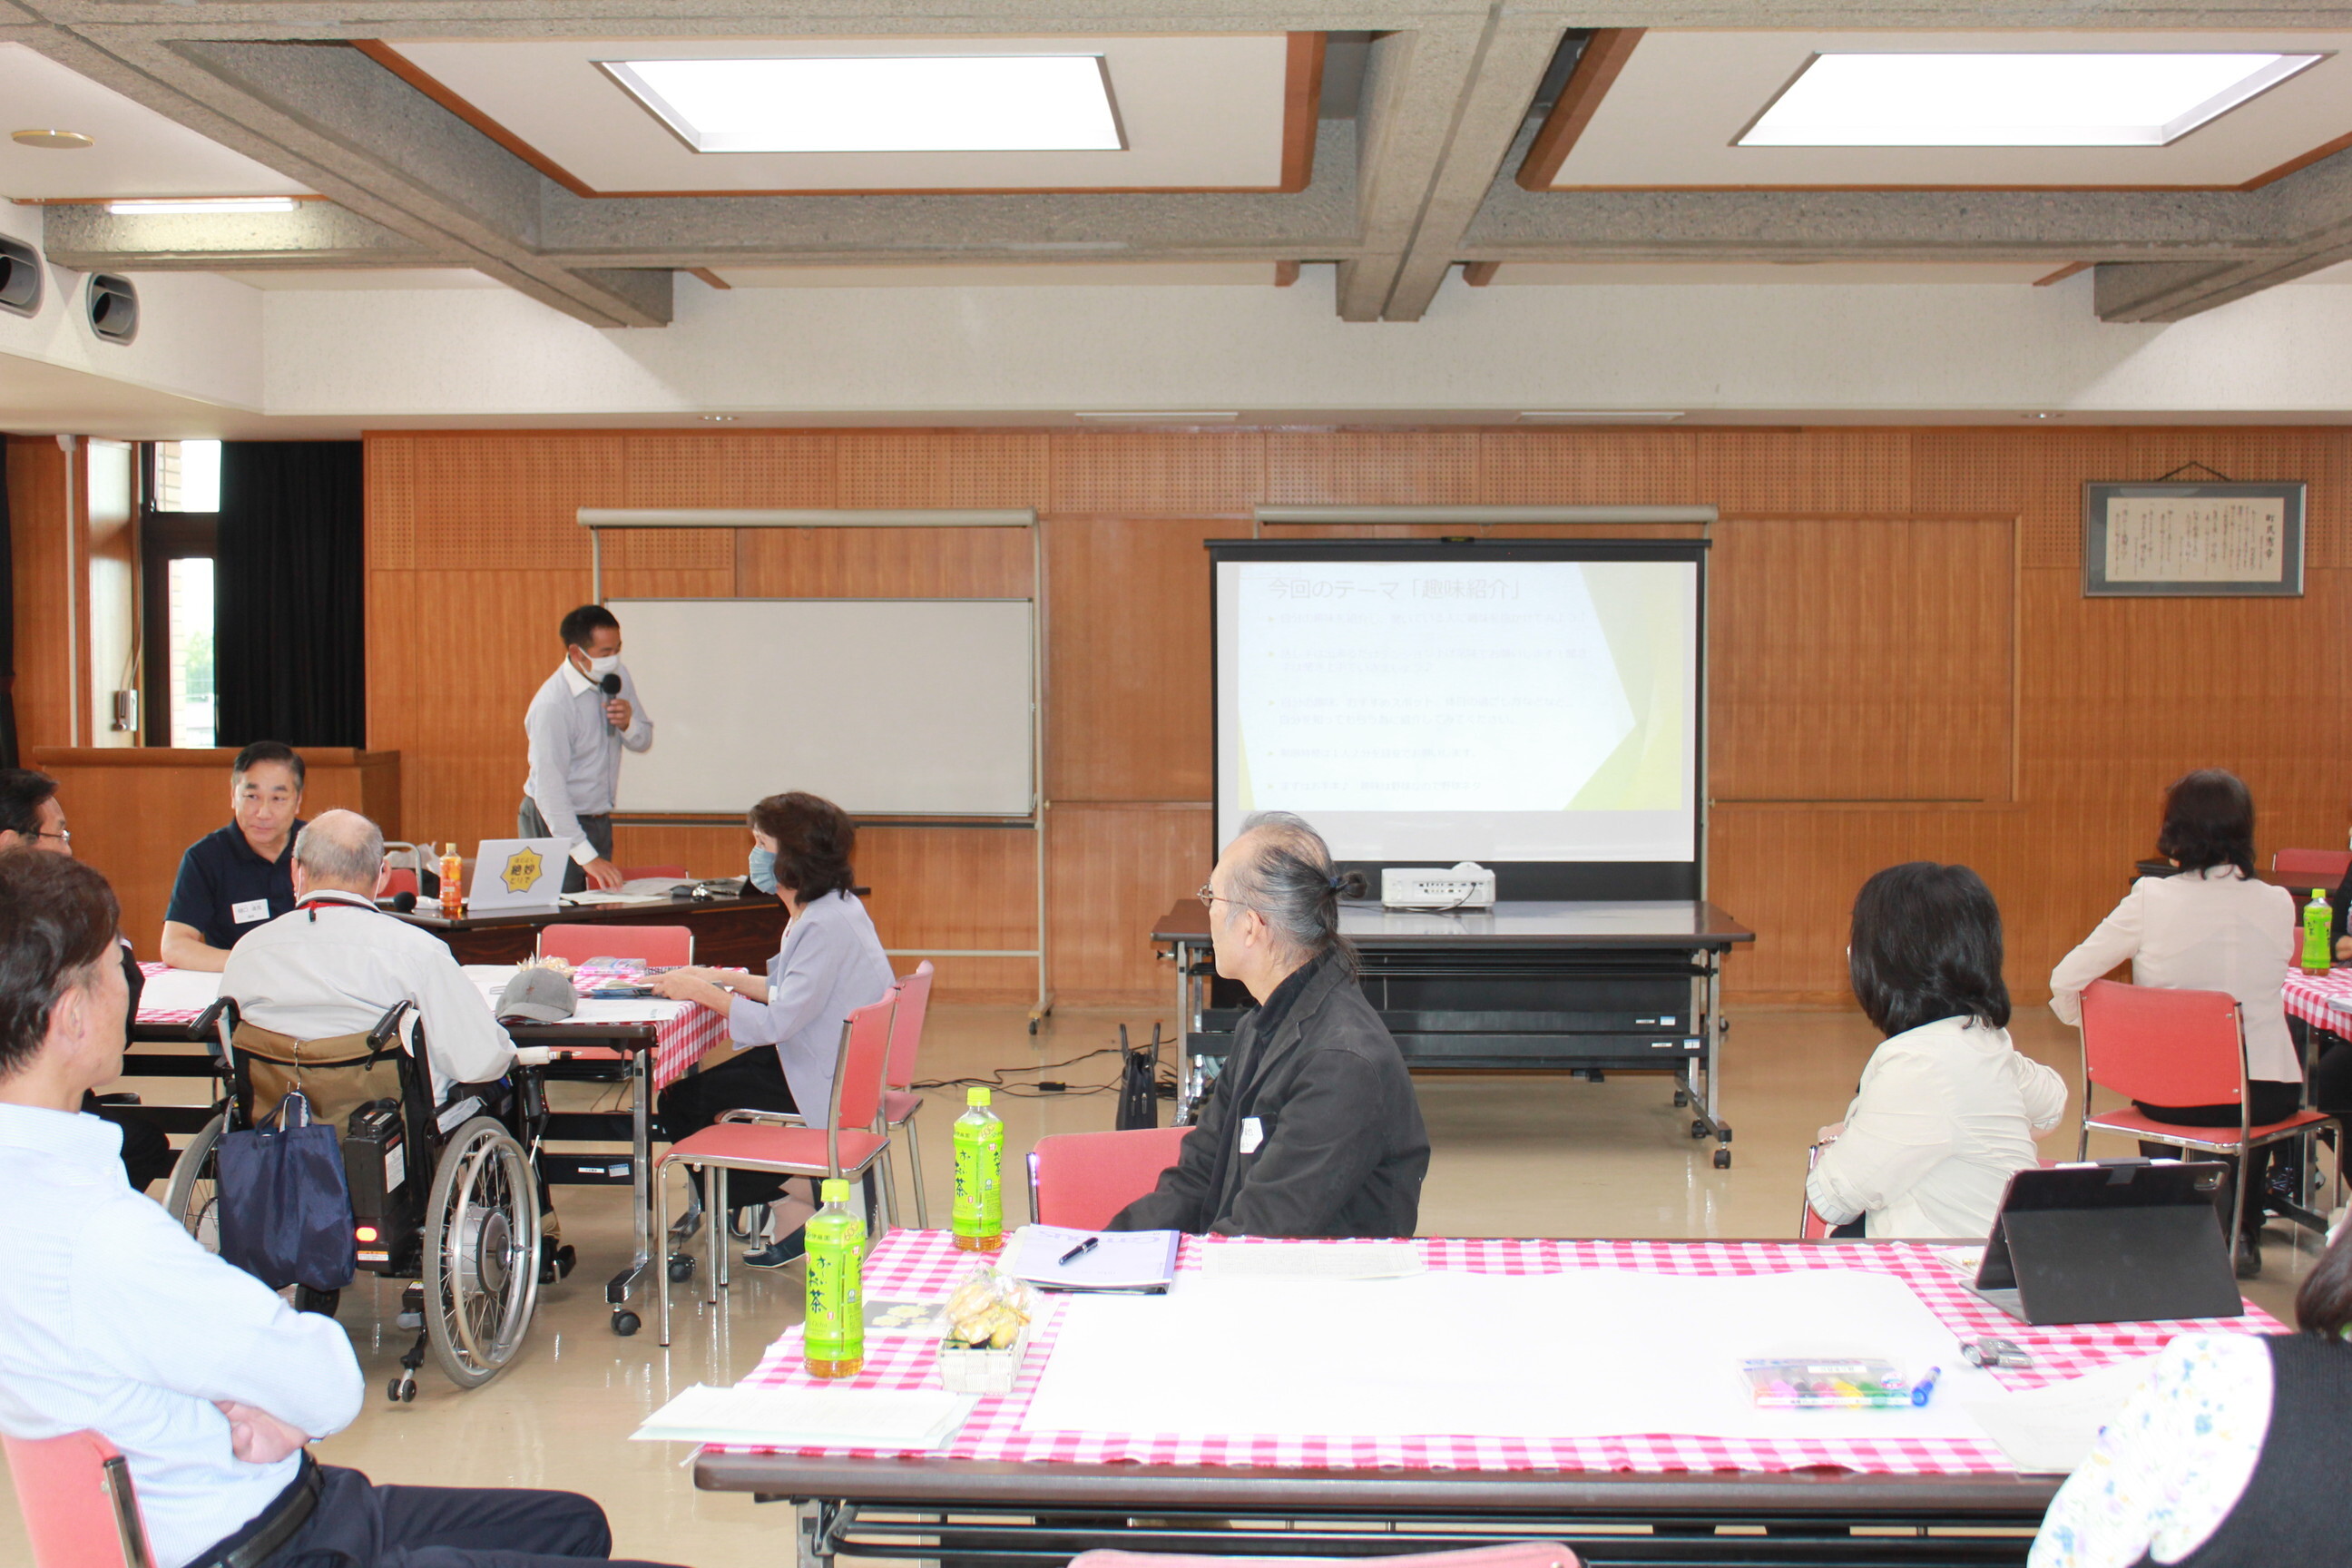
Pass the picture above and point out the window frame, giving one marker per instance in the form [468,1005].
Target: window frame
[165,537]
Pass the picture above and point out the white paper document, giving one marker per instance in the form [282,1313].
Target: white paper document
[179,991]
[917,1419]
[2051,1430]
[1118,1260]
[1586,1355]
[1336,1260]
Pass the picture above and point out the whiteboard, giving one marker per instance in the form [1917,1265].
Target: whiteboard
[884,707]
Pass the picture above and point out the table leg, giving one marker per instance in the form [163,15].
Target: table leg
[1183,955]
[1713,1115]
[641,1154]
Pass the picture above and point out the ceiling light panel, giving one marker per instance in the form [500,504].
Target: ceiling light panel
[2013,99]
[174,206]
[905,103]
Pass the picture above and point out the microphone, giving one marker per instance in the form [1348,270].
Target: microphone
[402,902]
[611,685]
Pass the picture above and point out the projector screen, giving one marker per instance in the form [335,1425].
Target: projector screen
[1518,704]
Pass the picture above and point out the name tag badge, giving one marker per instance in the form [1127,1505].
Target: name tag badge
[250,911]
[1252,1135]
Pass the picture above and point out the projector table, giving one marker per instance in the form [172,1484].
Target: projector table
[1580,987]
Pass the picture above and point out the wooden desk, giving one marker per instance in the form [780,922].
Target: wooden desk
[134,810]
[727,933]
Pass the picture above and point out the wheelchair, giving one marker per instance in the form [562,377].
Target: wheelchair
[444,1196]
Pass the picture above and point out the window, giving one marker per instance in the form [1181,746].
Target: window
[181,520]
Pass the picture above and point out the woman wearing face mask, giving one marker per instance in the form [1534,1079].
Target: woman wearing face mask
[578,725]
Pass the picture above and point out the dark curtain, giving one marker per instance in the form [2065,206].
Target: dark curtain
[289,594]
[7,623]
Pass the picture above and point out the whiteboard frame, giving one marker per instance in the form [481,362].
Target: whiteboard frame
[597,520]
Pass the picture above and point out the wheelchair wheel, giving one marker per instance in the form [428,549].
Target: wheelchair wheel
[194,1195]
[481,1252]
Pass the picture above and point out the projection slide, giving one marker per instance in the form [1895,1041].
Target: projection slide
[1422,712]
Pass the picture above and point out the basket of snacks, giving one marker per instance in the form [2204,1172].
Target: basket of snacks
[988,1323]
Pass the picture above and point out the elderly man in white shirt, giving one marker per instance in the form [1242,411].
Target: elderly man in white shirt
[577,727]
[335,963]
[114,1320]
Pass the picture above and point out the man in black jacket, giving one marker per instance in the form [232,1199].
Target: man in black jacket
[1312,1129]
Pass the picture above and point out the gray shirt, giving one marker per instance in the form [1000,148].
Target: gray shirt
[831,964]
[575,757]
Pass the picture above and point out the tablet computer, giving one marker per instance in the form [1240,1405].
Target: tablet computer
[2112,1241]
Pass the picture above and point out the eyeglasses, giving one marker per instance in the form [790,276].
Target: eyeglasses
[62,836]
[1210,897]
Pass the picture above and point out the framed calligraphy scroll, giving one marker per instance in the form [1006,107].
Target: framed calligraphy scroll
[2192,539]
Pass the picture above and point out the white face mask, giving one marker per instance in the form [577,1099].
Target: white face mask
[599,668]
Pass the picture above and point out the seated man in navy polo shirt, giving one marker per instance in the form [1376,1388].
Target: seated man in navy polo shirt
[236,879]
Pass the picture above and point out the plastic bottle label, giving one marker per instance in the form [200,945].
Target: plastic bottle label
[836,1321]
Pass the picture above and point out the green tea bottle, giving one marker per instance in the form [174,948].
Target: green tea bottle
[2318,933]
[833,1338]
[979,1210]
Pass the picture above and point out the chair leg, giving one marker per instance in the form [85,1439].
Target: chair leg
[716,1181]
[915,1169]
[661,1247]
[889,1182]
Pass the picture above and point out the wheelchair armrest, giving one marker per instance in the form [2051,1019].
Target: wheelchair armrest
[766,1118]
[206,1024]
[533,1056]
[388,1025]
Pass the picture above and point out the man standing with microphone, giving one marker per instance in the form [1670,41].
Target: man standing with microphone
[577,723]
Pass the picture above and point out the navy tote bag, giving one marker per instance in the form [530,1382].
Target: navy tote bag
[285,1208]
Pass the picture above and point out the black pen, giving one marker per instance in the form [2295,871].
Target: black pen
[1088,1245]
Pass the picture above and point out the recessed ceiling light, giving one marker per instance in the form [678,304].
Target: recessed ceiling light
[195,204]
[1163,415]
[1597,415]
[2043,416]
[905,103]
[2012,100]
[719,418]
[49,139]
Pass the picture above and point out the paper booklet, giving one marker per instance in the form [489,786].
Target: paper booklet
[1131,1261]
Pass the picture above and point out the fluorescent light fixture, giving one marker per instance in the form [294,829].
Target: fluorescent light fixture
[1164,415]
[1598,415]
[895,103]
[2012,100]
[202,205]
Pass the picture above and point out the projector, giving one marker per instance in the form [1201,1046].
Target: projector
[1467,886]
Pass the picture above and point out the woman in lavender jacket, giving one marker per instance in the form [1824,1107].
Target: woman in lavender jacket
[785,1024]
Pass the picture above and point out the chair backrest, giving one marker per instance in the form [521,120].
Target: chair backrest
[665,946]
[1079,1180]
[645,873]
[858,1074]
[80,1509]
[398,881]
[907,1024]
[2163,1047]
[1514,1555]
[1811,1226]
[2316,866]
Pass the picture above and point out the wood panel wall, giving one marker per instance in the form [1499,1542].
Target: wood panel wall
[1903,665]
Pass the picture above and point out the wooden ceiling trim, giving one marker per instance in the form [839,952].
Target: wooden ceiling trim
[1605,54]
[2304,160]
[440,93]
[1302,102]
[2062,274]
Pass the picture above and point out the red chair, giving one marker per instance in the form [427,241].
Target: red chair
[2175,1047]
[647,873]
[900,1101]
[2311,866]
[1517,1554]
[80,1510]
[783,1144]
[1079,1180]
[665,947]
[1811,1226]
[398,881]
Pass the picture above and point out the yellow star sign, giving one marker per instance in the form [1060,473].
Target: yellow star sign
[524,867]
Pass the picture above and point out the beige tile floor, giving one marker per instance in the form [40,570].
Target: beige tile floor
[1514,1155]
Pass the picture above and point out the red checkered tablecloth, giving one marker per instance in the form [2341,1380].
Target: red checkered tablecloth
[679,1041]
[924,1264]
[2322,999]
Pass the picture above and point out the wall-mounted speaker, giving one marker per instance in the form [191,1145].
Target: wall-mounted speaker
[113,308]
[20,277]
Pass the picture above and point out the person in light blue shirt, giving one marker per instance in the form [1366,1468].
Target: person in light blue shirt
[785,1024]
[114,1320]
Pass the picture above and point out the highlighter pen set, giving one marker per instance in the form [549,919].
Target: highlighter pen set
[1804,1384]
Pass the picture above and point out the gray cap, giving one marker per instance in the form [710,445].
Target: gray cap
[542,996]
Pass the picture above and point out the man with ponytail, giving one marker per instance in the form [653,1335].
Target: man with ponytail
[1312,1129]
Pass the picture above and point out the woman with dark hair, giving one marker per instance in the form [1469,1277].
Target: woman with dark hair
[785,1024]
[2232,1453]
[1948,1110]
[2211,927]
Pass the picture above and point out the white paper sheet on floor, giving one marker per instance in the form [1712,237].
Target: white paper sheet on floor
[808,1418]
[1592,1353]
[179,991]
[2050,1430]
